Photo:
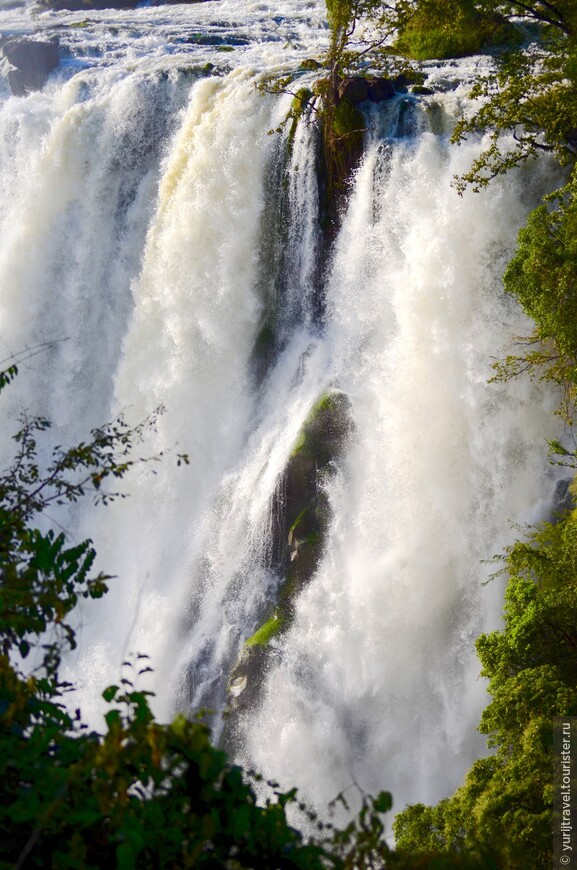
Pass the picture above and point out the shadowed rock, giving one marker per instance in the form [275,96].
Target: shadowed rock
[358,89]
[32,63]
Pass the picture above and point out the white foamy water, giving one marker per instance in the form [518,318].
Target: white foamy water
[377,681]
[138,237]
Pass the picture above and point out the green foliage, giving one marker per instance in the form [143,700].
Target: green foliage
[453,29]
[531,93]
[340,13]
[348,124]
[303,103]
[543,277]
[141,795]
[542,273]
[42,577]
[361,843]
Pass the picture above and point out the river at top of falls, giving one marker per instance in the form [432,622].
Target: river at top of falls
[140,246]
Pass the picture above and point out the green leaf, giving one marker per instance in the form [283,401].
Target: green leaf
[113,718]
[110,693]
[383,802]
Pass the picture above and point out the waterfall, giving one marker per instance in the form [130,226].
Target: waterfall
[161,248]
[377,681]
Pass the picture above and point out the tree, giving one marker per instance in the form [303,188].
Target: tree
[543,277]
[531,91]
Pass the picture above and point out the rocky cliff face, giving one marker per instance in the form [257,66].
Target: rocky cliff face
[299,537]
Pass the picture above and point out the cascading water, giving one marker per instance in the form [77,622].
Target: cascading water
[168,251]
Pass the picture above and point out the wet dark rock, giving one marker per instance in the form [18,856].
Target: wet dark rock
[303,511]
[358,89]
[213,39]
[247,678]
[406,78]
[32,63]
[381,89]
[563,498]
[406,125]
[81,5]
[354,89]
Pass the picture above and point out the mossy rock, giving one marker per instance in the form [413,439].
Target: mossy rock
[342,131]
[421,91]
[408,77]
[310,64]
[299,106]
[348,124]
[247,677]
[298,542]
[306,514]
[271,628]
[301,100]
[325,428]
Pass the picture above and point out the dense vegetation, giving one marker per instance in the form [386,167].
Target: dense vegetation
[144,794]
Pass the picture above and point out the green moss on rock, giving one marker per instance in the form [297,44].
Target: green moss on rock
[300,104]
[342,131]
[301,100]
[408,76]
[271,628]
[304,515]
[348,125]
[310,63]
